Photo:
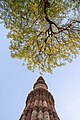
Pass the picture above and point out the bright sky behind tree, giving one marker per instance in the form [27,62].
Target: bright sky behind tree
[17,81]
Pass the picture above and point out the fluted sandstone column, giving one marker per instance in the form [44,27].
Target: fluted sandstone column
[39,103]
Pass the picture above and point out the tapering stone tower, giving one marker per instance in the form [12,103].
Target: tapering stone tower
[39,103]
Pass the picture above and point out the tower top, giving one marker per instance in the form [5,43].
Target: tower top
[40,78]
[40,83]
[40,104]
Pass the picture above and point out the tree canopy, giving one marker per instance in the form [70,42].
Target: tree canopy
[44,33]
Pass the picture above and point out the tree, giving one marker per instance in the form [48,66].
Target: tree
[44,33]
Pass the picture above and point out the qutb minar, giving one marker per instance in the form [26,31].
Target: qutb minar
[40,103]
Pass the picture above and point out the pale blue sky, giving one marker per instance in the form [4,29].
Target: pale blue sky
[17,81]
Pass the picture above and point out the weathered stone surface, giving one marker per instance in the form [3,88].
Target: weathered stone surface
[28,116]
[46,115]
[40,115]
[34,115]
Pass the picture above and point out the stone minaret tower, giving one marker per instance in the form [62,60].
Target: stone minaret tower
[39,103]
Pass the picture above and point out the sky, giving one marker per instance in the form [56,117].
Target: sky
[17,81]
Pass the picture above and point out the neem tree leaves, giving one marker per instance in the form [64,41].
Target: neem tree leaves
[44,33]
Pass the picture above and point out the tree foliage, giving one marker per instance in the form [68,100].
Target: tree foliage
[44,33]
